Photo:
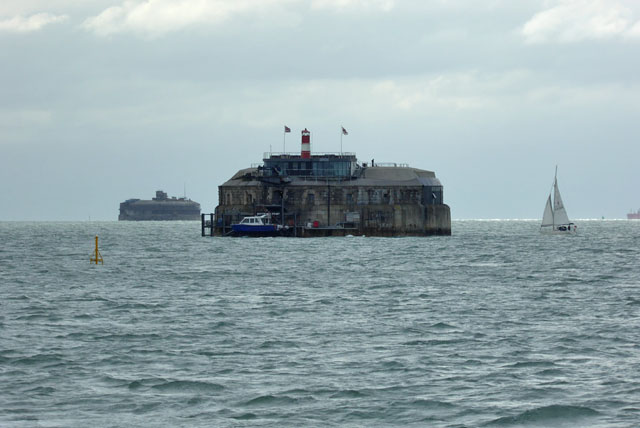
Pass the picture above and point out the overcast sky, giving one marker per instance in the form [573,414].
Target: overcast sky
[102,101]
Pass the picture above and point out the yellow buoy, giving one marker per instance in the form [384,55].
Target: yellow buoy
[97,256]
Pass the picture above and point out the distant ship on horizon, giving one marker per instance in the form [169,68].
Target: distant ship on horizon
[634,215]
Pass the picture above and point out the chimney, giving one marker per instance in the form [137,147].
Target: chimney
[306,144]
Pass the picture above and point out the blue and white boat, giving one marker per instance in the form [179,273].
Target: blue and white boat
[257,225]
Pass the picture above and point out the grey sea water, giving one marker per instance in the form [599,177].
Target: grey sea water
[493,326]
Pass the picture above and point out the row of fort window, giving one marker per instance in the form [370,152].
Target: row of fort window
[337,196]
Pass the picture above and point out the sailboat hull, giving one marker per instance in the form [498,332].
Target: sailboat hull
[559,229]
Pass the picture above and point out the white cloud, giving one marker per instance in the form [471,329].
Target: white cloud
[156,17]
[576,20]
[20,24]
[384,5]
[635,30]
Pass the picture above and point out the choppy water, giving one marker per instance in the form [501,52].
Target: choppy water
[493,326]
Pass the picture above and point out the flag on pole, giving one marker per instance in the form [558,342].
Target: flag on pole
[287,129]
[344,131]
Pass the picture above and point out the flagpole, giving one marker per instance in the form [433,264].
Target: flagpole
[284,134]
[341,133]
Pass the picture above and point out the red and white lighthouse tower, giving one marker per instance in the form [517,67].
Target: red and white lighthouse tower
[306,144]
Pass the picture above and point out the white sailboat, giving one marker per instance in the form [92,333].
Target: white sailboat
[555,218]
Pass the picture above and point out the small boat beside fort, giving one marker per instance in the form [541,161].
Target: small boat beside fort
[555,219]
[257,225]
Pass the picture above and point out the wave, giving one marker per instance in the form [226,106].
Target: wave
[432,404]
[188,386]
[434,342]
[631,301]
[245,416]
[442,326]
[272,400]
[47,359]
[171,386]
[41,390]
[551,372]
[348,393]
[524,364]
[287,344]
[554,414]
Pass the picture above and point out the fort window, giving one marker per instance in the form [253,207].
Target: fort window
[329,165]
[311,198]
[433,195]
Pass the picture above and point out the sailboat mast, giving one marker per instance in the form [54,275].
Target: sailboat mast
[555,190]
[555,186]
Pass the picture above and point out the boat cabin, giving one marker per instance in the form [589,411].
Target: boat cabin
[257,220]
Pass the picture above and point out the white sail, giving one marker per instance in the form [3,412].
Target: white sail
[559,213]
[547,217]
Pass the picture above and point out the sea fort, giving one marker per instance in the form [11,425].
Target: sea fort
[162,207]
[331,194]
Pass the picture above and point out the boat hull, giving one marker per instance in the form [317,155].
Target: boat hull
[563,229]
[255,230]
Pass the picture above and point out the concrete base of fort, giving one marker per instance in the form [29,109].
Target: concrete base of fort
[373,221]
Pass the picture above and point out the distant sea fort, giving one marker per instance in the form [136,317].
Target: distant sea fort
[332,194]
[159,208]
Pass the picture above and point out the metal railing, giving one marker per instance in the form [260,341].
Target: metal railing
[392,164]
[287,155]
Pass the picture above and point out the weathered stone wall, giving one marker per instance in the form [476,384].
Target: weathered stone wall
[383,210]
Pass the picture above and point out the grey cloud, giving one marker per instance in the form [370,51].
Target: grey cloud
[450,86]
